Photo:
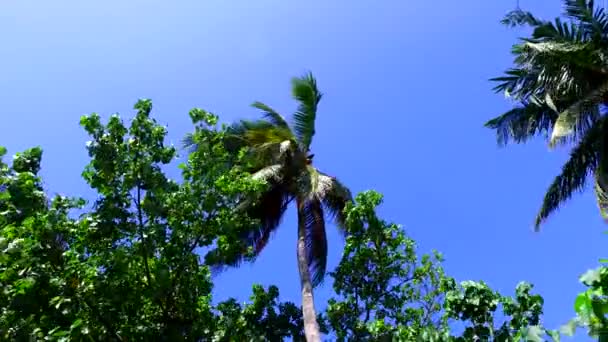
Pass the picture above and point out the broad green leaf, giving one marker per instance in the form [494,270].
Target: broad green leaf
[582,303]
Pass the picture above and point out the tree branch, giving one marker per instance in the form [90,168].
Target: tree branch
[140,225]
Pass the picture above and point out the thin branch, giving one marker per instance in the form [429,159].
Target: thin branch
[101,318]
[140,218]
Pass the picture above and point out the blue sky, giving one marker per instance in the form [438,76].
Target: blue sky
[406,96]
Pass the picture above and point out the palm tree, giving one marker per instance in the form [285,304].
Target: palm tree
[560,85]
[280,156]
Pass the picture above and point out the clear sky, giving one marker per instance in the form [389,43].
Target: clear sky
[406,96]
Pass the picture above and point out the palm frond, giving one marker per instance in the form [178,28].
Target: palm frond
[270,153]
[558,31]
[271,173]
[271,115]
[583,160]
[334,196]
[517,83]
[578,117]
[560,68]
[305,91]
[264,142]
[236,139]
[520,18]
[316,239]
[554,77]
[258,132]
[592,20]
[269,210]
[521,123]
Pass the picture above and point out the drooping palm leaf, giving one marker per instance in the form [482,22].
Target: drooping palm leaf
[305,91]
[583,161]
[270,174]
[311,213]
[579,116]
[269,209]
[521,123]
[334,196]
[271,115]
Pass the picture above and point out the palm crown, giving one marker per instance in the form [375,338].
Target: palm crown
[279,154]
[560,81]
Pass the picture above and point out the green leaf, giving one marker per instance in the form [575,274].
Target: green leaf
[305,91]
[582,303]
[590,277]
[77,323]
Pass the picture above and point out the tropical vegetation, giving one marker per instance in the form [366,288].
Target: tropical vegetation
[137,259]
[559,82]
[135,264]
[278,154]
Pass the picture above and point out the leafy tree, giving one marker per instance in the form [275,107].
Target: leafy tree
[382,283]
[591,305]
[560,83]
[131,265]
[264,319]
[127,269]
[279,155]
[387,293]
[480,308]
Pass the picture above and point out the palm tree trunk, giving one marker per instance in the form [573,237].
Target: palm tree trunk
[311,327]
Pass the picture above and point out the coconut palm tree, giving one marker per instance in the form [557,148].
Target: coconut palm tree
[560,85]
[279,154]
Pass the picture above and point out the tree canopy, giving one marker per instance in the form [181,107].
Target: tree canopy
[134,264]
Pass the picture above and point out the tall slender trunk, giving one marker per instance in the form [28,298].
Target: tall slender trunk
[311,327]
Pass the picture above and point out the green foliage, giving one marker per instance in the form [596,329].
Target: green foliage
[387,292]
[478,306]
[262,320]
[128,268]
[591,306]
[277,154]
[133,265]
[381,283]
[560,86]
